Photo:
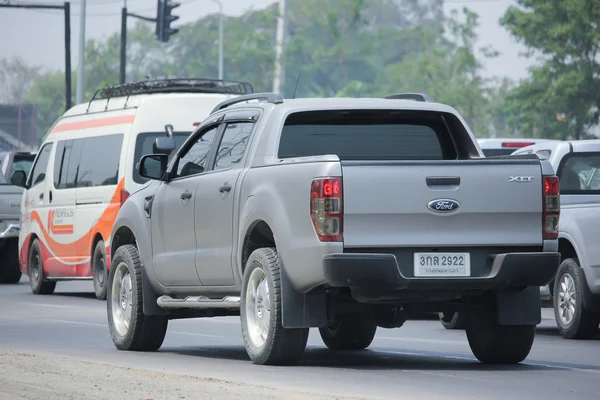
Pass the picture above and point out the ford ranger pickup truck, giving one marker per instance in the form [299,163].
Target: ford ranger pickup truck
[342,214]
[575,291]
[10,224]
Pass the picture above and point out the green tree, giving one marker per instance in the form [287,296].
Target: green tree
[561,97]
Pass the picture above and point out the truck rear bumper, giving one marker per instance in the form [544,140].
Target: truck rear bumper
[381,271]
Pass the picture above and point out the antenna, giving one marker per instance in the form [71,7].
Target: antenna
[296,88]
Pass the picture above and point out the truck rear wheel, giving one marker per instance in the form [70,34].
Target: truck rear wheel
[129,328]
[573,319]
[267,342]
[10,268]
[492,343]
[349,332]
[35,271]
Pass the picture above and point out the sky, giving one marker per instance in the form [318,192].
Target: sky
[38,35]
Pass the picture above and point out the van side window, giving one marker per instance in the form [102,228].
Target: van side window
[88,162]
[38,172]
[233,144]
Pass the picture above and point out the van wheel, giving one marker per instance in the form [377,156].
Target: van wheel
[267,342]
[35,271]
[129,328]
[10,269]
[349,332]
[573,319]
[100,270]
[453,321]
[492,343]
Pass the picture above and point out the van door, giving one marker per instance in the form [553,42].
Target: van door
[36,202]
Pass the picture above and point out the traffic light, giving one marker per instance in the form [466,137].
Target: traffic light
[164,20]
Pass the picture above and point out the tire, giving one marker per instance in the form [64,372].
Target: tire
[350,332]
[453,321]
[578,322]
[280,346]
[100,270]
[10,269]
[35,271]
[143,332]
[492,343]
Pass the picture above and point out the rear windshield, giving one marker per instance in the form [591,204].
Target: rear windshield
[144,145]
[580,174]
[367,135]
[22,162]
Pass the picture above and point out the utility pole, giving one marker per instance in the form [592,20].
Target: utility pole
[123,56]
[279,76]
[67,10]
[220,38]
[80,67]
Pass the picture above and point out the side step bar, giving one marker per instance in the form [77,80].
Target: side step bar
[198,302]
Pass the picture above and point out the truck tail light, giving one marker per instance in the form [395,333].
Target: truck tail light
[326,208]
[124,195]
[551,210]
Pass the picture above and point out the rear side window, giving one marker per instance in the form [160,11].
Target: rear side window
[367,135]
[22,162]
[579,173]
[87,162]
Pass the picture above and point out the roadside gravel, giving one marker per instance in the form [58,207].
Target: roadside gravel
[31,376]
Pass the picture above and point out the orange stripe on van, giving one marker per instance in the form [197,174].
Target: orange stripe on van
[93,123]
[82,247]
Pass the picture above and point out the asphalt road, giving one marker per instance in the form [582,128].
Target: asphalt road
[420,360]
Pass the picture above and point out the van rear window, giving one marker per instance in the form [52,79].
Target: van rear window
[144,145]
[367,135]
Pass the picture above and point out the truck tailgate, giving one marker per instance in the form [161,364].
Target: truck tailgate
[10,202]
[386,203]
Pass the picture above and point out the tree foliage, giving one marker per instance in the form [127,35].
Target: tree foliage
[362,48]
[561,97]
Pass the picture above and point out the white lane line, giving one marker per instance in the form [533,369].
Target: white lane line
[465,358]
[103,309]
[202,335]
[419,340]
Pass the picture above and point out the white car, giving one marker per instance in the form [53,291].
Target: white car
[576,290]
[505,146]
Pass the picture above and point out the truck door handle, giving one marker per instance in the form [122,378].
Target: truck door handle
[186,195]
[225,188]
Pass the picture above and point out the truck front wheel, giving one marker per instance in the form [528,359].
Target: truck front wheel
[267,342]
[349,332]
[492,343]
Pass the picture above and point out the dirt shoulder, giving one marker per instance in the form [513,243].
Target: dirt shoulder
[31,376]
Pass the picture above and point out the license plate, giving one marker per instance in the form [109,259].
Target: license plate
[434,265]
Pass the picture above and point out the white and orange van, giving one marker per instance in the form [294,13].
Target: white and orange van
[85,170]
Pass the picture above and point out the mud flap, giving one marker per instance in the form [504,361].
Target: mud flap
[299,310]
[149,296]
[519,308]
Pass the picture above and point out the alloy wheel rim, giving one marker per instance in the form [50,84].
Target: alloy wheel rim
[567,299]
[122,299]
[258,307]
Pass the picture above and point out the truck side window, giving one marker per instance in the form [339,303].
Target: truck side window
[579,174]
[38,172]
[233,144]
[195,159]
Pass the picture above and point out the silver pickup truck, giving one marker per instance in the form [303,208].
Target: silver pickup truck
[340,214]
[10,224]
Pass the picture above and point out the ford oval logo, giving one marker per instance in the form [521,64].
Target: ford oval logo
[443,205]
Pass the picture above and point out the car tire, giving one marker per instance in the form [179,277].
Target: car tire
[129,328]
[349,332]
[574,321]
[492,343]
[10,269]
[453,321]
[267,342]
[100,270]
[35,271]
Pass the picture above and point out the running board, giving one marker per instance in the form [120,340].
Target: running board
[198,302]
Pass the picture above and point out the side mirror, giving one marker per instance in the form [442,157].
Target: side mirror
[153,166]
[164,145]
[18,178]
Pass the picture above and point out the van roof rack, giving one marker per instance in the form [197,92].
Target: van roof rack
[171,85]
[409,96]
[273,98]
